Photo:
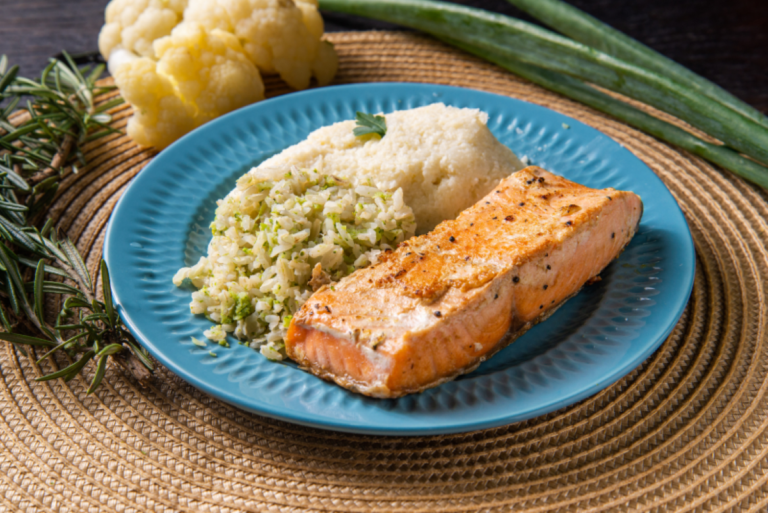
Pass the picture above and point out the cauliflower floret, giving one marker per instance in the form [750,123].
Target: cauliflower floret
[135,24]
[311,17]
[209,70]
[159,115]
[199,77]
[280,36]
[326,63]
[212,14]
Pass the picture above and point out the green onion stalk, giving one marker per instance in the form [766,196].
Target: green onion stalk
[590,31]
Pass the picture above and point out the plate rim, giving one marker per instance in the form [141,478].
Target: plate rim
[345,425]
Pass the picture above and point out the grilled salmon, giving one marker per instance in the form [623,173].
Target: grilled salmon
[444,302]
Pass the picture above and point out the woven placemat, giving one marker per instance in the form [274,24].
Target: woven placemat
[686,431]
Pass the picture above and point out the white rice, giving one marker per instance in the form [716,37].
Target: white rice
[268,235]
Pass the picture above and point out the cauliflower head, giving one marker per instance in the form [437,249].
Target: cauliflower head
[279,36]
[135,24]
[198,76]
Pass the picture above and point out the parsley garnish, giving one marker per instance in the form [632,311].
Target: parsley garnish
[369,124]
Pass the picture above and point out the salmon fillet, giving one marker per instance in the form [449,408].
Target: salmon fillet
[444,302]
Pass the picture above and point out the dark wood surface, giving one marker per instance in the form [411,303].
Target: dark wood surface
[725,41]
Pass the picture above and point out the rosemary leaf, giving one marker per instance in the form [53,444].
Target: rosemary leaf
[17,338]
[140,353]
[65,327]
[55,287]
[46,227]
[13,300]
[7,258]
[4,319]
[18,236]
[72,370]
[12,207]
[101,367]
[8,77]
[76,302]
[110,350]
[39,294]
[62,345]
[48,268]
[76,262]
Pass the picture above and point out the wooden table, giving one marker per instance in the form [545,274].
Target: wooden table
[726,42]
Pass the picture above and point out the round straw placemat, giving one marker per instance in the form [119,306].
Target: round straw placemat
[685,431]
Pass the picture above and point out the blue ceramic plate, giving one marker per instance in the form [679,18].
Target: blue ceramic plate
[161,224]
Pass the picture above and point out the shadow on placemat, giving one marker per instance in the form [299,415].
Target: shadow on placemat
[684,431]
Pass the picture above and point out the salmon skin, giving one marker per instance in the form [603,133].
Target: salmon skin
[444,302]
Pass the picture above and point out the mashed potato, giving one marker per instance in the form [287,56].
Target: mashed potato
[444,158]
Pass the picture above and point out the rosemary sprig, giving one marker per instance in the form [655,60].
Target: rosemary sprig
[40,144]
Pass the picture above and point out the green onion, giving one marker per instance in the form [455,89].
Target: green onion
[588,95]
[514,39]
[584,28]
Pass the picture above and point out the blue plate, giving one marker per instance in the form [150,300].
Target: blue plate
[161,224]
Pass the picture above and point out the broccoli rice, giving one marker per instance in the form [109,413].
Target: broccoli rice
[278,233]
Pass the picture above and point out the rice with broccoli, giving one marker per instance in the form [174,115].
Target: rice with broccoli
[275,236]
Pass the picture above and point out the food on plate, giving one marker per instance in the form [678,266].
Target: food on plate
[285,230]
[181,64]
[444,302]
[280,232]
[444,158]
[327,206]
